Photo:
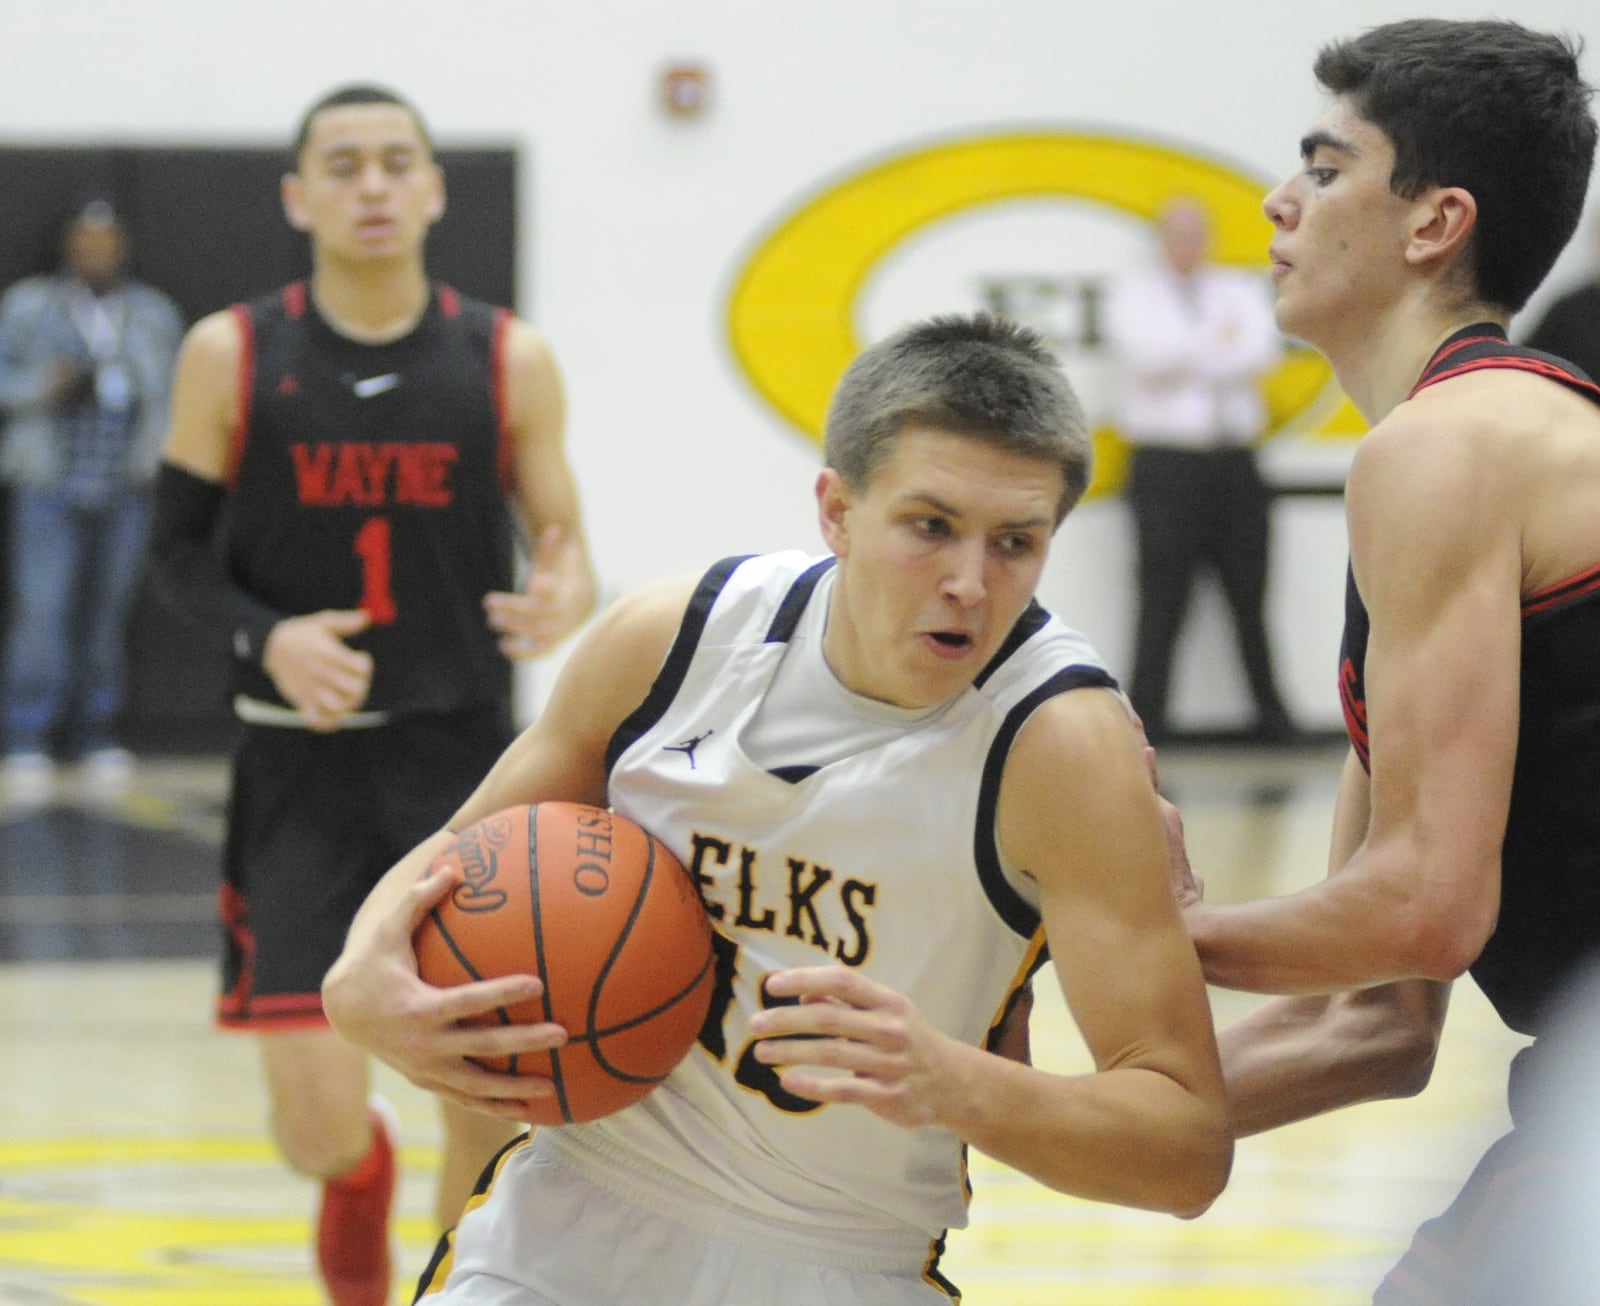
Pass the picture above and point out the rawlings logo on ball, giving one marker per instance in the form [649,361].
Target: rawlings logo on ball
[478,848]
[608,919]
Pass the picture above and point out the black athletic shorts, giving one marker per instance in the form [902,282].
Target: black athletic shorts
[314,821]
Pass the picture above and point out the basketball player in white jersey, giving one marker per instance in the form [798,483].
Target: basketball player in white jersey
[896,779]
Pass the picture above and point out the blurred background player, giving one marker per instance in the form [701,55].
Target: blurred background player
[86,360]
[363,483]
[1192,340]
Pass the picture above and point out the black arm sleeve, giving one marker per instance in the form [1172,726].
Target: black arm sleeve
[189,575]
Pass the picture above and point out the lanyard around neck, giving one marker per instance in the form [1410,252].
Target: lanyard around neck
[99,319]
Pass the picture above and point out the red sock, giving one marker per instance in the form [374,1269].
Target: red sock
[353,1226]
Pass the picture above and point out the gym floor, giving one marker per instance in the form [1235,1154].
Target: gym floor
[134,1167]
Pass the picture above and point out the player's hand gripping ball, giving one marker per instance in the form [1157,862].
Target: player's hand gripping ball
[608,918]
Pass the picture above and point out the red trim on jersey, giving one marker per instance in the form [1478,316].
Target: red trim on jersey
[1355,713]
[245,383]
[449,300]
[1457,347]
[294,299]
[1585,582]
[1429,376]
[1553,596]
[1435,371]
[505,464]
[1535,365]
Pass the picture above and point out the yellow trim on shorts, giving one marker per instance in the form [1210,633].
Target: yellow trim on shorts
[433,1278]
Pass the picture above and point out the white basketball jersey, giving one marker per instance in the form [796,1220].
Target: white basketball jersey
[884,860]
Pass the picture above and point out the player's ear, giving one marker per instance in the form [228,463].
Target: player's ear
[294,207]
[833,503]
[436,201]
[1442,224]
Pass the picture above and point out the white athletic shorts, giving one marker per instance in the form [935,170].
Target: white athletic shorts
[559,1230]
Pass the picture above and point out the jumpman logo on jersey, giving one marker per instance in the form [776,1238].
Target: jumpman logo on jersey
[688,746]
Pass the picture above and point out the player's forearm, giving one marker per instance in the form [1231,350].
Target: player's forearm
[1295,1058]
[513,780]
[1273,1065]
[190,577]
[1346,932]
[1132,1136]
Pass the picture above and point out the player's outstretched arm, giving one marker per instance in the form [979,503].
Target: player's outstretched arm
[1298,1056]
[1148,1128]
[373,994]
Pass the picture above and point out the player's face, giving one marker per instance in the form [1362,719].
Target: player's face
[939,554]
[367,186]
[1338,254]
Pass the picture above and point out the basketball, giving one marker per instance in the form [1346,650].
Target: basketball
[608,918]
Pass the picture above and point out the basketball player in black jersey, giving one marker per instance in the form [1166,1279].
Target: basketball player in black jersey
[1438,188]
[363,448]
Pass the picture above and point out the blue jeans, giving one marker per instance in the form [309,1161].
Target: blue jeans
[74,574]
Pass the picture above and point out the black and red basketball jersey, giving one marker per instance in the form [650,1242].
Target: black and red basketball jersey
[375,477]
[1550,860]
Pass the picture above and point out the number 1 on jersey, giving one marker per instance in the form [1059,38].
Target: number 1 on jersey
[372,546]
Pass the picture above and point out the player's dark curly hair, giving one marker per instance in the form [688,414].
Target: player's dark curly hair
[1492,107]
[979,376]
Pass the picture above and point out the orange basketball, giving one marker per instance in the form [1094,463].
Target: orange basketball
[601,910]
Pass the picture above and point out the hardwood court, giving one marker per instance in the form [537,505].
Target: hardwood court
[134,1167]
